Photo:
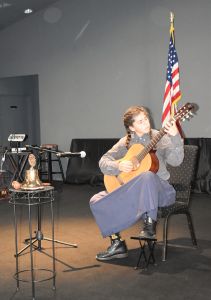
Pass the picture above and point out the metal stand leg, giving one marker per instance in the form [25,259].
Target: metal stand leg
[53,247]
[39,236]
[142,252]
[61,242]
[16,247]
[151,258]
[31,255]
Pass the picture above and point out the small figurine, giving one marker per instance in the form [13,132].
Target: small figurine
[32,180]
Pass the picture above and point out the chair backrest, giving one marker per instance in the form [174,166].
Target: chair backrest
[182,176]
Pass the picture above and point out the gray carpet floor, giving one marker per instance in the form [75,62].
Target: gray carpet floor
[185,275]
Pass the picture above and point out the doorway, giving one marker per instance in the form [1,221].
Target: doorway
[19,108]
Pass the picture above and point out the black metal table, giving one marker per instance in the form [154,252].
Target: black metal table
[30,199]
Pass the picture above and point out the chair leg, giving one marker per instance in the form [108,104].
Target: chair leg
[165,232]
[191,228]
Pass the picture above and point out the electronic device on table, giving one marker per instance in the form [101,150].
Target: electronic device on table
[16,140]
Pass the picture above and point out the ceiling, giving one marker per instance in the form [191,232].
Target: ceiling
[12,11]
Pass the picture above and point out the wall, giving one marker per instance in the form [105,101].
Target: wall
[94,58]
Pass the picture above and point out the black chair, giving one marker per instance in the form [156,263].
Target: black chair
[181,178]
[47,162]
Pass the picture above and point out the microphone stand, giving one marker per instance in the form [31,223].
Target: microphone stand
[3,187]
[2,162]
[38,234]
[42,149]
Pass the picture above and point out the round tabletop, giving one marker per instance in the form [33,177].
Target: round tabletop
[35,190]
[31,197]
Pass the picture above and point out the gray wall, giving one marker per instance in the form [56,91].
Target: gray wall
[94,58]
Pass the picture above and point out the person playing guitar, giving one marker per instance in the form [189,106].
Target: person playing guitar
[136,179]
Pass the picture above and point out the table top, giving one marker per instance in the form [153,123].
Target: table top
[32,197]
[30,191]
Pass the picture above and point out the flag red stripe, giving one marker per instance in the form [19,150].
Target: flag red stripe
[175,72]
[176,84]
[166,112]
[176,97]
[167,91]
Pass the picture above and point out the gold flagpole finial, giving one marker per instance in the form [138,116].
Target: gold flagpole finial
[171,17]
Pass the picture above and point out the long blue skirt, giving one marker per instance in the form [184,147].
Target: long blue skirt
[126,205]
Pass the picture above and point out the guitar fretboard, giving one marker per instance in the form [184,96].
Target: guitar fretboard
[150,146]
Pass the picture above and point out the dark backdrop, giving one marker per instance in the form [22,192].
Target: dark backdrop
[87,170]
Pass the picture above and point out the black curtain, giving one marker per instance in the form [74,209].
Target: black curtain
[86,170]
[202,182]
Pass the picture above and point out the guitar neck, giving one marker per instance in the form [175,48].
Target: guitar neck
[183,113]
[150,146]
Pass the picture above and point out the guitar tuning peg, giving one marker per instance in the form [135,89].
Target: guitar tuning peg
[191,113]
[183,119]
[187,117]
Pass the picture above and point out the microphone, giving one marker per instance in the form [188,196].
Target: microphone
[32,146]
[81,154]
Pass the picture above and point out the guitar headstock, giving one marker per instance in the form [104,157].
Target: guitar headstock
[185,112]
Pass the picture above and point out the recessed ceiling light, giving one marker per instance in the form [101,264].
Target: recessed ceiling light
[28,11]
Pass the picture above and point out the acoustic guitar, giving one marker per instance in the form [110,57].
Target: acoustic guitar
[144,158]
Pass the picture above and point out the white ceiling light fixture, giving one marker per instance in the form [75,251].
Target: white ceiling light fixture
[28,11]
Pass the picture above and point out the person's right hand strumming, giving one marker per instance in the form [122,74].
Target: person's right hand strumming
[125,166]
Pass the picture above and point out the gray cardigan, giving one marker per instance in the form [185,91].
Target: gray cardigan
[170,149]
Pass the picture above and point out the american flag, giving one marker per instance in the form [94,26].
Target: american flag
[172,88]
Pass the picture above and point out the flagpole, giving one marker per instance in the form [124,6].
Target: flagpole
[172,92]
[172,25]
[174,108]
[171,17]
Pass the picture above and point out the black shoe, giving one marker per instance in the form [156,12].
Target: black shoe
[149,230]
[118,249]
